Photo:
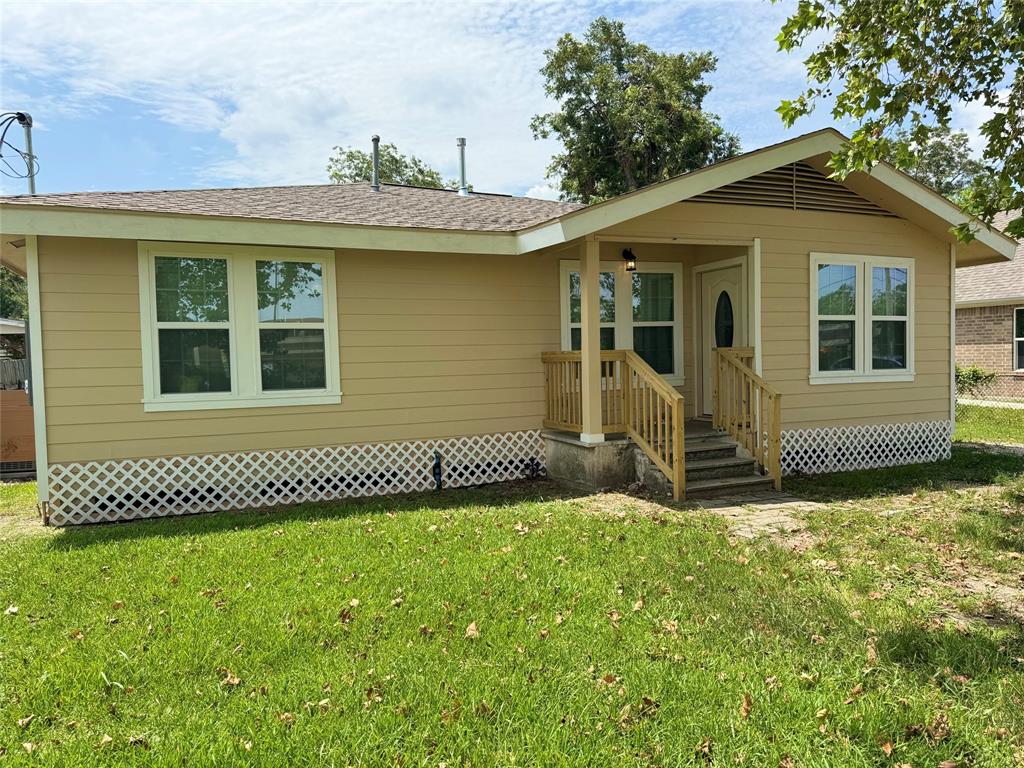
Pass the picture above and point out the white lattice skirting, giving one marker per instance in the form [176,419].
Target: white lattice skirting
[104,491]
[837,449]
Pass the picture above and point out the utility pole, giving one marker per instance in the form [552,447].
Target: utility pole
[25,121]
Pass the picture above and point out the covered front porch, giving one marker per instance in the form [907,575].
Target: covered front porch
[631,366]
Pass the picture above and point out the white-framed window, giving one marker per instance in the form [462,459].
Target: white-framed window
[1018,339]
[641,310]
[862,326]
[237,326]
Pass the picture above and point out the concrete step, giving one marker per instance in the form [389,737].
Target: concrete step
[727,486]
[730,466]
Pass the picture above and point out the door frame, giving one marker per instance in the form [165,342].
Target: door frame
[698,317]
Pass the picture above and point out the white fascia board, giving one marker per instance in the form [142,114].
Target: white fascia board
[68,222]
[644,201]
[1011,300]
[943,208]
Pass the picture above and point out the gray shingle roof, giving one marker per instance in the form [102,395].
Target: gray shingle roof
[992,282]
[393,206]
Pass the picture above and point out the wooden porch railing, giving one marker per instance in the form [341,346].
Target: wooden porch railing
[635,400]
[749,409]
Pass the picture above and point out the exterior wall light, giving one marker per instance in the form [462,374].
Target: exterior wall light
[630,259]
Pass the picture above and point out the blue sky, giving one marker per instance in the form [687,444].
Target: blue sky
[179,95]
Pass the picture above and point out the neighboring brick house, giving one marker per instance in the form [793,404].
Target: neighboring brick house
[990,318]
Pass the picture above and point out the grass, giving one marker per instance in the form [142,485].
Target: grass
[524,626]
[979,423]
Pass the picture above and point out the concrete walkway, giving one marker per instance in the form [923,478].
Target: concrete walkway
[770,513]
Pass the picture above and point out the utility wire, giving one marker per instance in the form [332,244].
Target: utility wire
[7,119]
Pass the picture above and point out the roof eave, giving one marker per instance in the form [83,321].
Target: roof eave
[64,221]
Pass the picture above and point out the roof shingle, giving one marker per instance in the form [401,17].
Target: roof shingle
[993,282]
[393,206]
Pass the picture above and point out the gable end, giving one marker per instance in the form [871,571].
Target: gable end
[796,186]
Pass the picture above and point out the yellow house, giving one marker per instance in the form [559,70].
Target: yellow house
[202,350]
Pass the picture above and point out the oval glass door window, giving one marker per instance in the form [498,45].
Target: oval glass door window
[723,321]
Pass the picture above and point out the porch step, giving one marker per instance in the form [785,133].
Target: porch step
[709,469]
[727,486]
[709,449]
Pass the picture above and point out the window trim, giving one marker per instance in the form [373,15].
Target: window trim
[1018,360]
[624,307]
[243,329]
[863,371]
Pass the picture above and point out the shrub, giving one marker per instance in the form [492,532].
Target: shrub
[972,379]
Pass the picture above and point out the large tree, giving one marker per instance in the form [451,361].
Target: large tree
[347,165]
[898,67]
[628,116]
[13,295]
[943,161]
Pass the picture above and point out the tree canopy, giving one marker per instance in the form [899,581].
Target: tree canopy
[13,295]
[628,116]
[943,161]
[898,68]
[347,165]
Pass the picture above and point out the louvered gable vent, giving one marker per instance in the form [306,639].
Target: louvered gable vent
[797,186]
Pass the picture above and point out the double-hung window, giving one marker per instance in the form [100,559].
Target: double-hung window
[1018,339]
[639,310]
[237,326]
[861,318]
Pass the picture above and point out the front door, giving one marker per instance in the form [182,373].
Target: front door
[723,321]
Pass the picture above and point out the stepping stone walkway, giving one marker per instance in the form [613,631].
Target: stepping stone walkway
[770,513]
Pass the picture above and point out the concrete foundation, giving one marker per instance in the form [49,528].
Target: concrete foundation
[590,466]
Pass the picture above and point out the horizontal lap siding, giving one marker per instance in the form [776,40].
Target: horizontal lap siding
[787,239]
[430,346]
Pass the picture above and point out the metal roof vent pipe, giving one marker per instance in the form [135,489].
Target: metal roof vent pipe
[375,179]
[463,187]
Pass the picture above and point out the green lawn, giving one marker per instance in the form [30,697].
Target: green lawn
[980,423]
[524,625]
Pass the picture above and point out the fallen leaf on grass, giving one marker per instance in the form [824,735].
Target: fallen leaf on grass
[453,713]
[25,721]
[858,689]
[472,632]
[615,617]
[105,740]
[746,706]
[230,678]
[28,746]
[787,761]
[887,748]
[77,635]
[638,605]
[12,610]
[287,718]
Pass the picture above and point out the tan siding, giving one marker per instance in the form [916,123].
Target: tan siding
[430,346]
[787,239]
[444,345]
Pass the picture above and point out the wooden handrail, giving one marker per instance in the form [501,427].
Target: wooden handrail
[749,409]
[635,400]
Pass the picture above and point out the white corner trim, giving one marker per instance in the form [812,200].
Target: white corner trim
[952,335]
[755,271]
[35,316]
[591,439]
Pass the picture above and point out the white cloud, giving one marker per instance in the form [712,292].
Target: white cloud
[970,116]
[284,83]
[544,191]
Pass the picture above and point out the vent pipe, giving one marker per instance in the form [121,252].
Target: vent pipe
[463,187]
[375,179]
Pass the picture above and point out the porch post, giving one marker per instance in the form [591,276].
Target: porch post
[590,345]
